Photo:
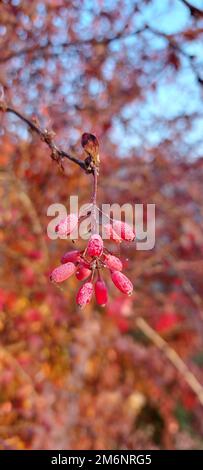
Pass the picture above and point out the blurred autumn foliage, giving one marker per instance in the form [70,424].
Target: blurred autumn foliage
[130,375]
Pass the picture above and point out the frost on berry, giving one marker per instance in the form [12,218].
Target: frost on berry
[92,259]
[73,256]
[113,263]
[63,272]
[122,282]
[101,293]
[67,225]
[95,246]
[110,234]
[84,294]
[83,272]
[123,230]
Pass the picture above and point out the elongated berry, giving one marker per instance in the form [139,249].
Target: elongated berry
[110,234]
[113,263]
[95,245]
[101,293]
[82,272]
[73,256]
[84,294]
[123,230]
[122,282]
[63,272]
[67,225]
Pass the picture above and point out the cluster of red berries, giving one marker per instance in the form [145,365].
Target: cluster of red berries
[84,264]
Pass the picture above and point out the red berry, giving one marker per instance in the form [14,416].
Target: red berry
[167,322]
[101,292]
[95,245]
[82,272]
[72,256]
[67,225]
[110,234]
[63,272]
[84,294]
[123,230]
[122,282]
[113,263]
[123,324]
[35,254]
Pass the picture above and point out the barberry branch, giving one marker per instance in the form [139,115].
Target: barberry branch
[46,136]
[75,262]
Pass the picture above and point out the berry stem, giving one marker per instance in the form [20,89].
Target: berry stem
[98,271]
[94,197]
[94,203]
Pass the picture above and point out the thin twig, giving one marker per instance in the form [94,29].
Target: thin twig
[94,202]
[40,49]
[173,357]
[46,136]
[176,47]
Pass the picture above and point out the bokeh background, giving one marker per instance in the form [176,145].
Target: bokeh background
[129,376]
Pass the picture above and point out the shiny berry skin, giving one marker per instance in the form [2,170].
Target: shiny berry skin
[82,272]
[101,293]
[113,263]
[67,225]
[84,294]
[73,256]
[122,282]
[63,272]
[95,246]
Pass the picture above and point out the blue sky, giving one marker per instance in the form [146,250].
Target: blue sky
[173,97]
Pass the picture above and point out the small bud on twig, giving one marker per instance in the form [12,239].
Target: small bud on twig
[91,146]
